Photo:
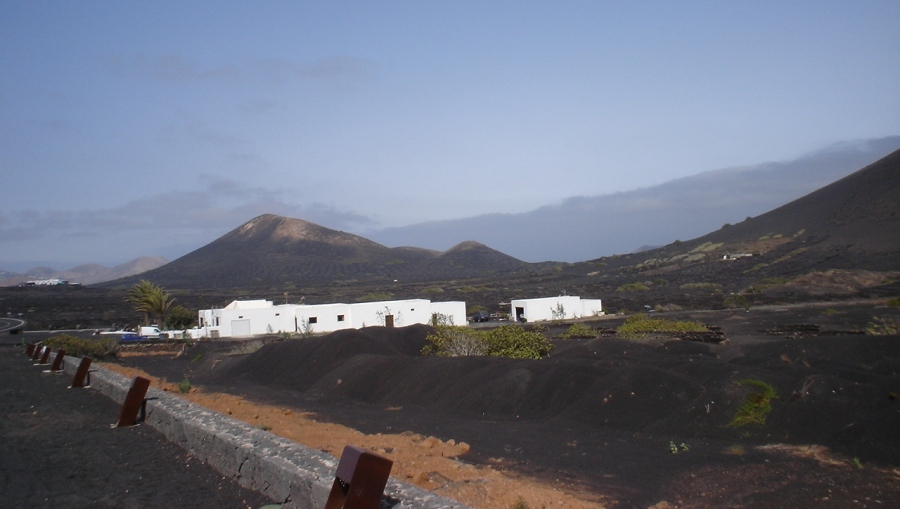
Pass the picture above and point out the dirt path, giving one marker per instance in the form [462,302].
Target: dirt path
[424,461]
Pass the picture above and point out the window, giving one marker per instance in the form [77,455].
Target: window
[277,314]
[241,316]
[340,318]
[313,319]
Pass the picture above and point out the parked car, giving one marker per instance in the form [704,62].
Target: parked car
[481,316]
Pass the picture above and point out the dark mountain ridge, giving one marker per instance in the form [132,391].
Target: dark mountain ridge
[273,251]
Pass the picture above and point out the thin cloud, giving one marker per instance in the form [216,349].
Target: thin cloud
[172,68]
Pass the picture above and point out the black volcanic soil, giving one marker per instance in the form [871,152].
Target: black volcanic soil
[603,415]
[57,450]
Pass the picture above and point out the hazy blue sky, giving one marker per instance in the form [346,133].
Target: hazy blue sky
[145,128]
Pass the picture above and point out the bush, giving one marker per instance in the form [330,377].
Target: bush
[99,348]
[894,302]
[640,326]
[579,331]
[180,318]
[507,341]
[633,287]
[882,327]
[449,341]
[757,404]
[516,342]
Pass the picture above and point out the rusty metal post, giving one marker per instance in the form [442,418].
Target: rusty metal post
[82,372]
[29,349]
[45,356]
[57,361]
[133,401]
[37,353]
[359,481]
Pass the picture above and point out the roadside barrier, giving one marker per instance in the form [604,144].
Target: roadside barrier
[359,481]
[82,372]
[133,403]
[295,475]
[57,362]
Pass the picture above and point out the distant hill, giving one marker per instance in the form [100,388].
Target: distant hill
[586,227]
[87,274]
[277,252]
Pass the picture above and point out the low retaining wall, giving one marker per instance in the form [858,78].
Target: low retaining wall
[290,473]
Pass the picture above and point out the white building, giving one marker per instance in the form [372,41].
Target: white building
[251,317]
[554,308]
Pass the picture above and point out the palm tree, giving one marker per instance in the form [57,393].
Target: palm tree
[150,299]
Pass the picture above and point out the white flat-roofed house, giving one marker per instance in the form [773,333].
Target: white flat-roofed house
[564,307]
[249,318]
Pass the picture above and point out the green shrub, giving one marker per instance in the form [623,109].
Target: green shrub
[894,302]
[700,286]
[99,348]
[882,327]
[184,386]
[448,341]
[579,331]
[510,341]
[516,342]
[643,325]
[757,404]
[180,317]
[633,287]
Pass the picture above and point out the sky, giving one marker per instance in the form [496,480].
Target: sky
[134,129]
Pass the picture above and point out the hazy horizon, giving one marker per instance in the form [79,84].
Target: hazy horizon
[134,129]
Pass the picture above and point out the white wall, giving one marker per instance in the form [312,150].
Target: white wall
[591,307]
[454,310]
[327,317]
[405,312]
[542,309]
[262,317]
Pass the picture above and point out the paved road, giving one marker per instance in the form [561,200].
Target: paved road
[8,324]
[57,450]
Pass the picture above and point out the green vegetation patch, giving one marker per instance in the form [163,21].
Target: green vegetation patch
[100,348]
[706,247]
[700,286]
[894,302]
[633,287]
[757,404]
[643,325]
[767,283]
[882,327]
[510,341]
[579,331]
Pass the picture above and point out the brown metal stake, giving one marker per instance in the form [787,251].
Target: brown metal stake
[57,361]
[359,481]
[45,356]
[29,349]
[82,373]
[37,353]
[133,401]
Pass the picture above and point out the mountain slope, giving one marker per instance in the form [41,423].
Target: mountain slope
[273,252]
[853,223]
[582,228]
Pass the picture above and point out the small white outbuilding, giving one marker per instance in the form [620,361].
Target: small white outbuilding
[564,307]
